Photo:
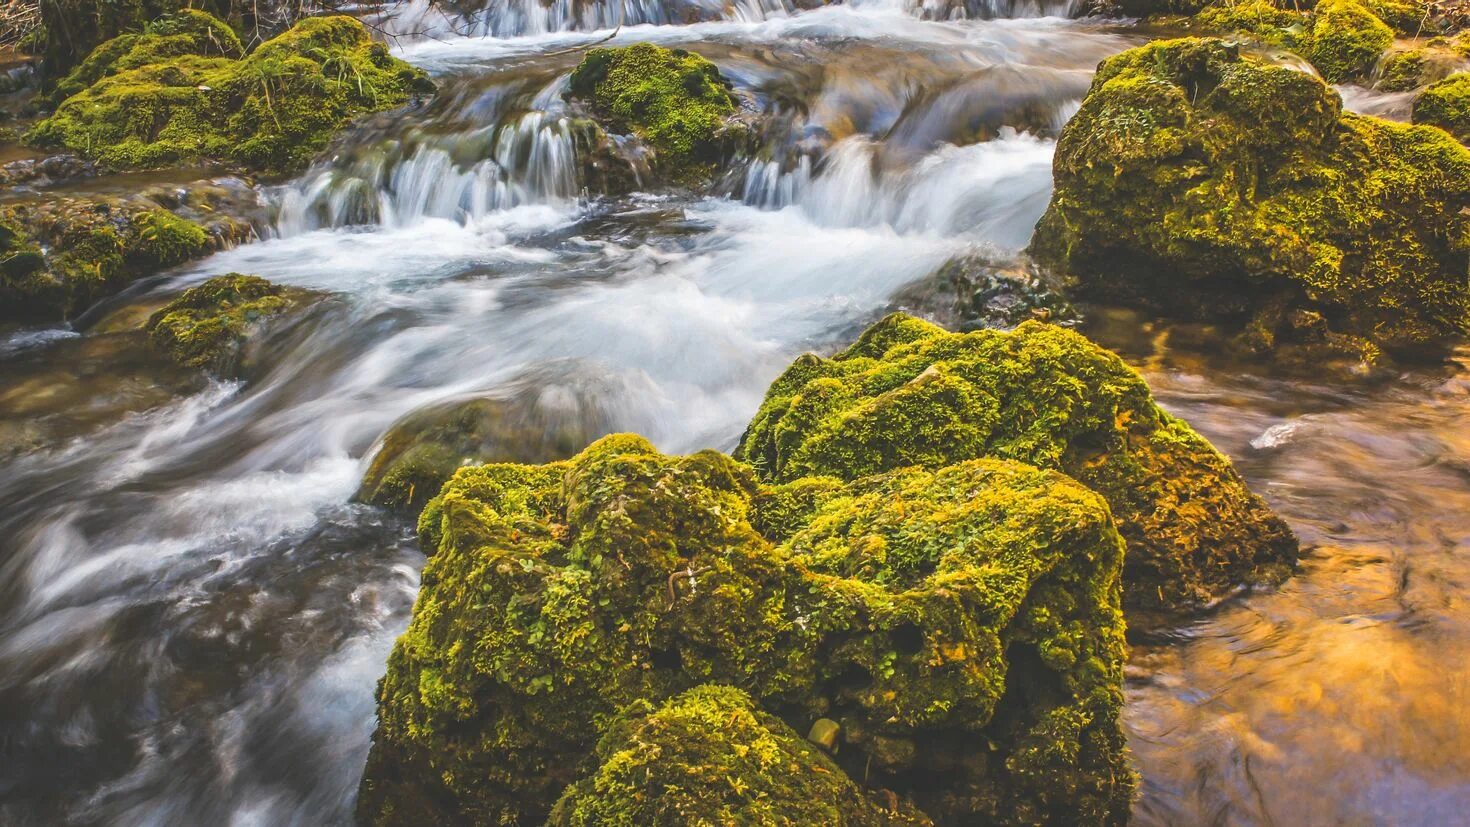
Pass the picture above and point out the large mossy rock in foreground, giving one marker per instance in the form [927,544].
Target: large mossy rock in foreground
[960,627]
[711,756]
[910,393]
[1208,184]
[272,110]
[59,256]
[209,326]
[675,101]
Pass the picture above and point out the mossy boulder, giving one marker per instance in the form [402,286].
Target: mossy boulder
[1345,39]
[208,326]
[712,756]
[273,110]
[960,626]
[186,32]
[1446,105]
[59,256]
[909,393]
[675,101]
[1263,20]
[1208,184]
[424,449]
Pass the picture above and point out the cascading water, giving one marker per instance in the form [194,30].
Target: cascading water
[193,613]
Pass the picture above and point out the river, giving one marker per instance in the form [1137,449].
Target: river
[193,612]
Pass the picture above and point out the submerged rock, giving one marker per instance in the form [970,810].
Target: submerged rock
[961,625]
[59,256]
[273,110]
[909,393]
[675,101]
[209,326]
[712,756]
[1446,105]
[1208,184]
[424,449]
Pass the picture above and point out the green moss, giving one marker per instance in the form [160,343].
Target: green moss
[1259,18]
[60,256]
[1406,17]
[1401,71]
[208,326]
[1447,105]
[1040,395]
[961,626]
[186,32]
[273,110]
[676,101]
[1345,39]
[711,757]
[1208,184]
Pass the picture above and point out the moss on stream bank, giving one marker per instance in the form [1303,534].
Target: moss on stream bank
[163,99]
[1209,184]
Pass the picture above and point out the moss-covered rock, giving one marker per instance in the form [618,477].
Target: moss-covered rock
[273,110]
[424,449]
[711,756]
[59,256]
[909,393]
[186,32]
[960,626]
[675,101]
[1447,105]
[208,326]
[1345,39]
[1263,20]
[1208,184]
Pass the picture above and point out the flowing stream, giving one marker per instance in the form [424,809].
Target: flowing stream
[193,612]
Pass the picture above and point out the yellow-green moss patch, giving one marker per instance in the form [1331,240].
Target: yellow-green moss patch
[1447,105]
[207,326]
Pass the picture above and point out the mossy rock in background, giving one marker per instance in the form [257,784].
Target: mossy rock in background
[186,32]
[1345,39]
[960,626]
[59,256]
[712,756]
[1447,105]
[909,393]
[424,449]
[273,110]
[209,326]
[675,101]
[1211,185]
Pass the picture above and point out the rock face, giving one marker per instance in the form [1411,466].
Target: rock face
[711,756]
[161,99]
[960,626]
[1040,395]
[675,101]
[1207,184]
[1446,104]
[208,326]
[59,256]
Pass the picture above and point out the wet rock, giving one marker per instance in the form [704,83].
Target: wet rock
[272,110]
[59,256]
[970,612]
[424,449]
[1209,185]
[714,757]
[677,104]
[1001,296]
[46,172]
[1446,105]
[210,326]
[824,734]
[1040,395]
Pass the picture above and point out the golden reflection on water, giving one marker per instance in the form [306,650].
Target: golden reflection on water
[1340,698]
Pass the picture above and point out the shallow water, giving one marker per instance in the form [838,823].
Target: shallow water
[193,613]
